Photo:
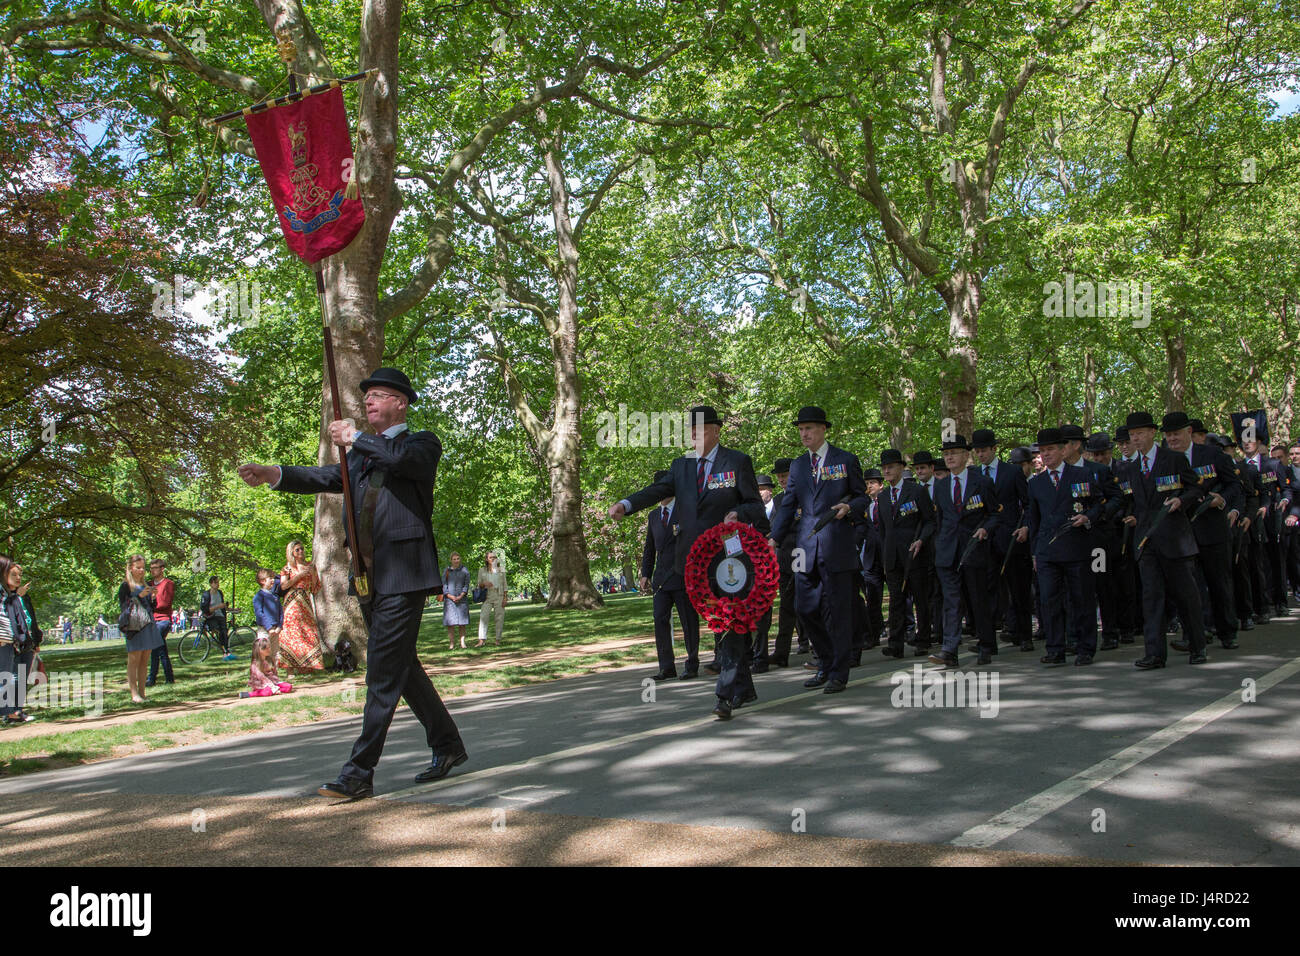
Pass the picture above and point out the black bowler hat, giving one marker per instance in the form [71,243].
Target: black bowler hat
[1198,426]
[1121,433]
[941,466]
[1072,433]
[660,475]
[891,456]
[704,415]
[782,466]
[1173,421]
[1099,441]
[1223,441]
[957,441]
[390,378]
[1020,456]
[1139,420]
[765,482]
[1050,436]
[983,438]
[811,415]
[872,474]
[922,457]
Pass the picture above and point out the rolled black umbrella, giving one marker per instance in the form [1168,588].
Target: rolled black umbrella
[1161,515]
[1010,547]
[829,516]
[970,547]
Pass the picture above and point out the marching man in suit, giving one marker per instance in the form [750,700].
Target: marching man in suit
[1009,592]
[710,486]
[658,563]
[1164,487]
[392,473]
[825,482]
[1064,502]
[966,506]
[906,517]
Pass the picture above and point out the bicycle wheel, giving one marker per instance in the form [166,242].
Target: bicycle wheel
[240,636]
[192,647]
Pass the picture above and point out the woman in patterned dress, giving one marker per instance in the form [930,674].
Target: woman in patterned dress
[301,648]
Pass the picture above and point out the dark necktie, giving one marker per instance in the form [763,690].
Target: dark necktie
[815,462]
[893,491]
[1146,467]
[1056,479]
[701,474]
[956,491]
[664,515]
[986,471]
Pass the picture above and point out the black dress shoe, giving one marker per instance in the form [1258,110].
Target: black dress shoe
[347,789]
[1262,619]
[1246,624]
[723,710]
[663,675]
[689,674]
[921,650]
[892,651]
[834,687]
[746,698]
[944,659]
[1083,660]
[1109,644]
[870,645]
[1198,659]
[1229,645]
[1052,660]
[1149,663]
[759,668]
[1180,646]
[441,766]
[1127,639]
[149,683]
[816,680]
[713,667]
[984,658]
[779,662]
[1027,645]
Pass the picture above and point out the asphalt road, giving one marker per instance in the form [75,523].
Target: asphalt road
[1101,763]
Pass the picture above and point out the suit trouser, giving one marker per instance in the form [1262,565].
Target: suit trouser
[1018,582]
[664,602]
[1291,552]
[875,590]
[734,678]
[160,655]
[394,672]
[823,602]
[1243,591]
[1276,567]
[1103,585]
[1067,585]
[761,631]
[1169,577]
[918,587]
[786,618]
[858,604]
[974,583]
[1212,560]
[933,635]
[1257,558]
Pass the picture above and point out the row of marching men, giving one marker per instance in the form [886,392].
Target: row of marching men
[1135,529]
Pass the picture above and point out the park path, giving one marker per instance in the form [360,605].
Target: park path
[484,665]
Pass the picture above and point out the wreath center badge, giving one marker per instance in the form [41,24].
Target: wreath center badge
[732,577]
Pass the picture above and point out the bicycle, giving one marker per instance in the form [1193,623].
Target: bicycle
[194,645]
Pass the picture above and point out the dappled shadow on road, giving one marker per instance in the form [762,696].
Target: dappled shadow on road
[108,830]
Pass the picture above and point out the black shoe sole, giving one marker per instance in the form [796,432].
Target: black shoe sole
[421,778]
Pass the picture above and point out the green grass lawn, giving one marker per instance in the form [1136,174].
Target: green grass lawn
[528,628]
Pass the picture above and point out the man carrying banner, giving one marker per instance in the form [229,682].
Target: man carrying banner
[393,472]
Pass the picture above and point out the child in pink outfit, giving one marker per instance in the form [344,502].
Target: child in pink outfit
[262,678]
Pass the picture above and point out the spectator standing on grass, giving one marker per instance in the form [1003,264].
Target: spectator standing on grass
[301,649]
[164,590]
[267,611]
[493,579]
[140,642]
[212,606]
[455,595]
[19,637]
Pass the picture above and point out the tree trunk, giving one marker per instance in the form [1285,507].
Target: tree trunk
[1176,374]
[962,295]
[1089,391]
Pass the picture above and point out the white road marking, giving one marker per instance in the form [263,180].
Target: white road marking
[1012,821]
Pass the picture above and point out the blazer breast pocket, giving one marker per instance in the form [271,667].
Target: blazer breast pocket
[406,532]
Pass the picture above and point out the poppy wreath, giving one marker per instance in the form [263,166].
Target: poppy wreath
[722,612]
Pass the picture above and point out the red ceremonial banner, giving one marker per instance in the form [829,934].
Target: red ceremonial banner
[305,150]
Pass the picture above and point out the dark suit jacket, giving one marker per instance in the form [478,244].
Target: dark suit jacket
[1013,496]
[1219,474]
[25,638]
[954,526]
[1051,508]
[870,540]
[695,513]
[405,552]
[659,554]
[911,519]
[833,545]
[266,607]
[784,553]
[1174,538]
